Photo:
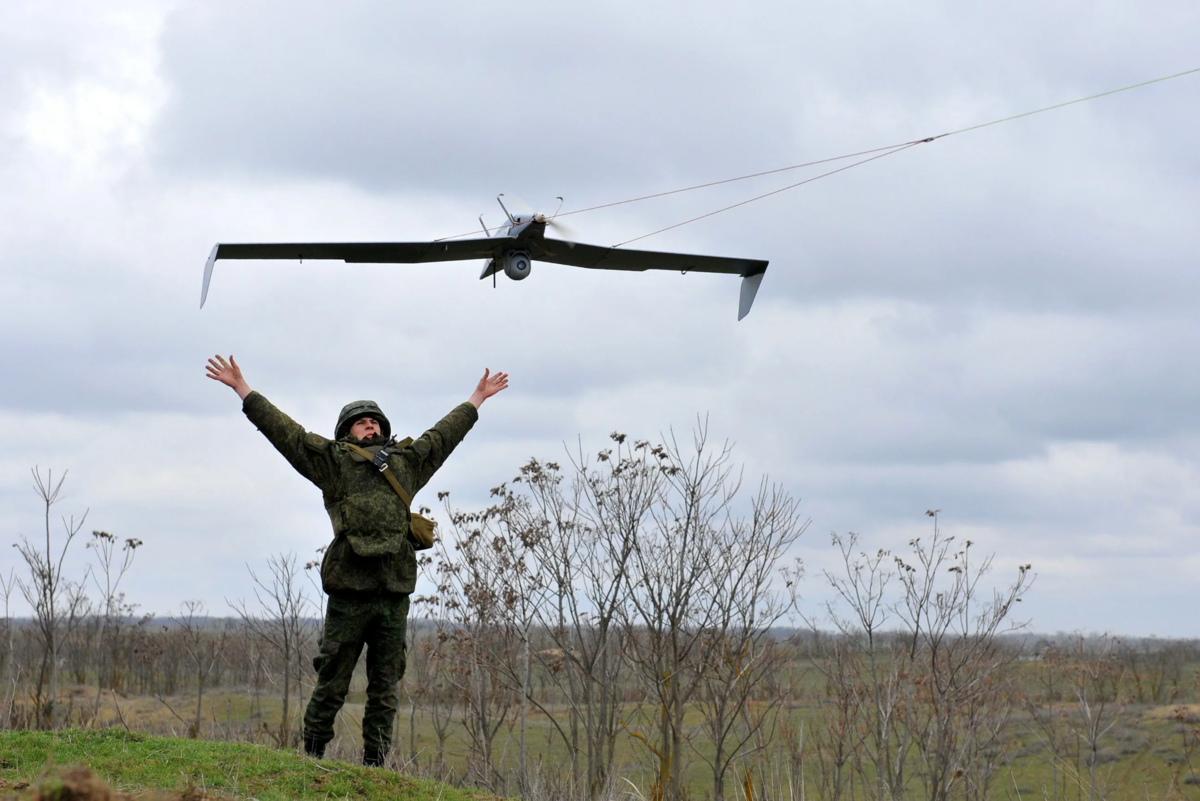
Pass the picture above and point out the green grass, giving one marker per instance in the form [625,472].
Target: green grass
[132,762]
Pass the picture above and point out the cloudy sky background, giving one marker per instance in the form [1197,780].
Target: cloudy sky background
[1000,324]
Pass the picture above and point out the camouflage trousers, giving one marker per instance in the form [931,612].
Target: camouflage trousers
[379,623]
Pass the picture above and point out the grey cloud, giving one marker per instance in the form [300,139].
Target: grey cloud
[990,386]
[415,98]
[999,323]
[411,96]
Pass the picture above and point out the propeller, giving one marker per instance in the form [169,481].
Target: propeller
[553,222]
[564,230]
[487,262]
[514,206]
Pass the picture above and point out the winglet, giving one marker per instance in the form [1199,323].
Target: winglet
[208,268]
[749,290]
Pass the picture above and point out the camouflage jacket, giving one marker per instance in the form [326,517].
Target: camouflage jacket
[370,552]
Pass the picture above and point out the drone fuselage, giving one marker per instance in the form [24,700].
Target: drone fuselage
[515,260]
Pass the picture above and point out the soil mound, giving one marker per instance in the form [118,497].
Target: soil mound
[79,783]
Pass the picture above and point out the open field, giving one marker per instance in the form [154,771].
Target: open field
[1149,751]
[591,685]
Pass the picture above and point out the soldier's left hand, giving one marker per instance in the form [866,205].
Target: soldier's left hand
[229,374]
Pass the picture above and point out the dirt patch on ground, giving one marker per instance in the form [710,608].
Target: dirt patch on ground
[78,783]
[1183,713]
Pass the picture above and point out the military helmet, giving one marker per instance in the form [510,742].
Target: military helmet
[363,408]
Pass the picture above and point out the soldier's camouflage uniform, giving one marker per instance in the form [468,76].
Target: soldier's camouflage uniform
[370,568]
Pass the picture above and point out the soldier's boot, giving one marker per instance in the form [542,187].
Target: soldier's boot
[314,748]
[373,756]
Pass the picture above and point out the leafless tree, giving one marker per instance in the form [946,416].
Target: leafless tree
[1093,674]
[58,603]
[836,736]
[960,665]
[582,536]
[922,682]
[283,626]
[113,608]
[8,634]
[1154,667]
[509,564]
[868,688]
[739,654]
[427,683]
[480,637]
[673,598]
[203,648]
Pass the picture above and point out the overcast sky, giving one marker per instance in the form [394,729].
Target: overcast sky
[1000,324]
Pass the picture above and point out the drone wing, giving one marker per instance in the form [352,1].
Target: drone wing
[549,250]
[359,253]
[602,258]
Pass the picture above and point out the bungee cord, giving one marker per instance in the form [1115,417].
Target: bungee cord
[733,180]
[874,153]
[1068,103]
[895,149]
[890,151]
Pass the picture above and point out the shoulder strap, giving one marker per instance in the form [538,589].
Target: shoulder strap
[366,454]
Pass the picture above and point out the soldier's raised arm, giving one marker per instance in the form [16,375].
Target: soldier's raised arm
[308,453]
[427,453]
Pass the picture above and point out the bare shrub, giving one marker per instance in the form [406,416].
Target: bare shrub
[192,636]
[280,624]
[58,603]
[922,683]
[113,610]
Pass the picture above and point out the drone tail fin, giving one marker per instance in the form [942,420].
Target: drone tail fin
[750,285]
[208,268]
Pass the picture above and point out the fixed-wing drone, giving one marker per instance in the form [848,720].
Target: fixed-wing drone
[511,248]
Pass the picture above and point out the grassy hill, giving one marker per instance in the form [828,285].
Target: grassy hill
[135,763]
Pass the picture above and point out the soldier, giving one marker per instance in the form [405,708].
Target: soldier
[370,568]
